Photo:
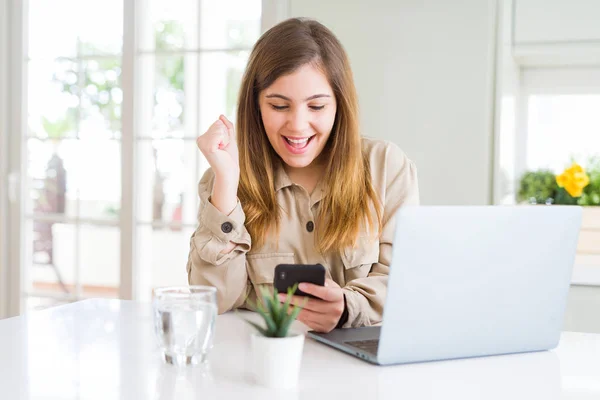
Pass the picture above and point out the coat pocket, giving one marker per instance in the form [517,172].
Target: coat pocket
[358,260]
[261,266]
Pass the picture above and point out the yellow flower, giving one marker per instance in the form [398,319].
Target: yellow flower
[573,179]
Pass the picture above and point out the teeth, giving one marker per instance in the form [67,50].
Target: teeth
[300,141]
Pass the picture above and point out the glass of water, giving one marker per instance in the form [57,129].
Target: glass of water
[184,321]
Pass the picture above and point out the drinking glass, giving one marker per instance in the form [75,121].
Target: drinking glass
[184,322]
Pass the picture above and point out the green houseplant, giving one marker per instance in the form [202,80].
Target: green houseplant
[277,317]
[537,187]
[574,186]
[591,193]
[276,351]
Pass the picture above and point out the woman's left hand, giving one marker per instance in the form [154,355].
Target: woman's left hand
[323,313]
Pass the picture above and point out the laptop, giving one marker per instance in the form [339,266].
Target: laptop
[470,281]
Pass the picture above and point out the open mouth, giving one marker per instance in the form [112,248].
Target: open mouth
[298,143]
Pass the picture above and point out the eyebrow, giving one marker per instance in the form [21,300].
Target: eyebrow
[280,96]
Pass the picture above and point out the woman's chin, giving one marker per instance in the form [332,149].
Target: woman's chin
[298,162]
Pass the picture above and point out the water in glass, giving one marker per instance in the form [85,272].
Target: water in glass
[184,323]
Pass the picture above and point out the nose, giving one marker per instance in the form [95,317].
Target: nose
[298,120]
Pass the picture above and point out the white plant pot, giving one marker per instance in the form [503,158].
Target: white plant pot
[276,361]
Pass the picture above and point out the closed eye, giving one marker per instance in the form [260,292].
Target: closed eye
[281,108]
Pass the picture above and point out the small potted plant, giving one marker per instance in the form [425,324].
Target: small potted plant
[276,352]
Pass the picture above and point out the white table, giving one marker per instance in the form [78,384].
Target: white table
[105,349]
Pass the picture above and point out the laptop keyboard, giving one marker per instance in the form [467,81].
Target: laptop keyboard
[369,346]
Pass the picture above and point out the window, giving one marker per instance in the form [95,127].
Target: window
[561,117]
[72,145]
[188,61]
[551,120]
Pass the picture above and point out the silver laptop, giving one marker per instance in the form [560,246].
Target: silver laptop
[471,281]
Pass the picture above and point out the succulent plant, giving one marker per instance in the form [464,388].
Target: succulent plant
[278,317]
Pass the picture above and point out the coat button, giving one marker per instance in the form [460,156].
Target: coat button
[226,227]
[310,226]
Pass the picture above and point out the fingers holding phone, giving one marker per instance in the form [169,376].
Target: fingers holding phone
[323,310]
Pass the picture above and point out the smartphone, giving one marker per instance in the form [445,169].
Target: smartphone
[286,275]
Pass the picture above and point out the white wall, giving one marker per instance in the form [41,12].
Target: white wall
[424,71]
[556,32]
[556,21]
[583,309]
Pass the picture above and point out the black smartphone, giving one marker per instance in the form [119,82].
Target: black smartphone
[286,275]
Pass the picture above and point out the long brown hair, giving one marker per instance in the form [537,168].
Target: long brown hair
[349,197]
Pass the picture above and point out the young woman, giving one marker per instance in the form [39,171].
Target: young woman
[294,182]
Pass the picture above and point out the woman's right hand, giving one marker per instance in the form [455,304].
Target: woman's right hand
[220,149]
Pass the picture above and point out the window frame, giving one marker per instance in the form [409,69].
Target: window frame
[13,40]
[4,196]
[547,80]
